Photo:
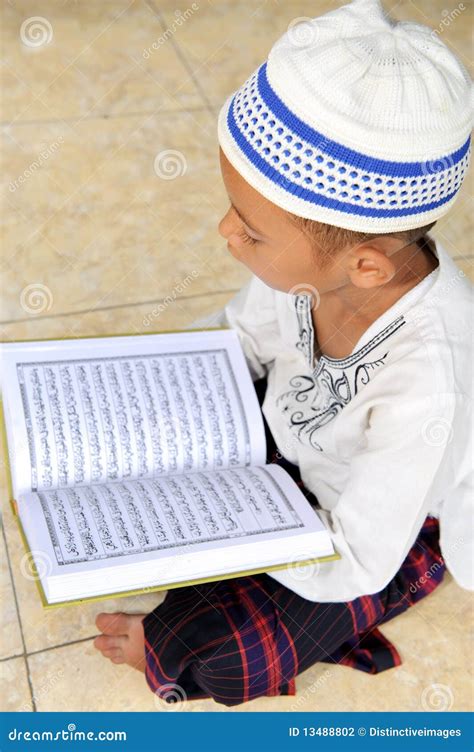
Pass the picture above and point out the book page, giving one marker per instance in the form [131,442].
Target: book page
[98,410]
[170,514]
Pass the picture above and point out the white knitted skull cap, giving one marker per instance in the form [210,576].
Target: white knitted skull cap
[354,120]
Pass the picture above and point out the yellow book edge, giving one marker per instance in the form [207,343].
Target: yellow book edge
[141,591]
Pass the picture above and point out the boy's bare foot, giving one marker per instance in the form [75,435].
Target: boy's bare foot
[123,638]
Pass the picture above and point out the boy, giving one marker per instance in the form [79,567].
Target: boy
[338,155]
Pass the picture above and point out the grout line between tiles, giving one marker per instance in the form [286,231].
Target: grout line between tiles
[177,48]
[113,307]
[85,311]
[104,116]
[10,657]
[61,645]
[28,676]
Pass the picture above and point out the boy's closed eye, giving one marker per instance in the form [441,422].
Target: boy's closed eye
[247,237]
[246,233]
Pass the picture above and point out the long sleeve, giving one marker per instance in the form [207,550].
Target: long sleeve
[456,510]
[403,456]
[251,312]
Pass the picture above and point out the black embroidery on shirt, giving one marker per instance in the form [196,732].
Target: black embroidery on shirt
[305,340]
[332,384]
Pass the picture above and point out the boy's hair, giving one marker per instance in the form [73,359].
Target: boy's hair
[328,239]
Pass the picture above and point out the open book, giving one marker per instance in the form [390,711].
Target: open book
[138,463]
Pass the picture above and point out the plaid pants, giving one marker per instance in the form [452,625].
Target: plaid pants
[249,637]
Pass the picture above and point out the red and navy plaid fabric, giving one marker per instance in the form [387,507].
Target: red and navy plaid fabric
[249,637]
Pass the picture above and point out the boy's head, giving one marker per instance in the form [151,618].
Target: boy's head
[353,135]
[284,249]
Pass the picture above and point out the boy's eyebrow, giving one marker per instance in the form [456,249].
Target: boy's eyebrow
[247,223]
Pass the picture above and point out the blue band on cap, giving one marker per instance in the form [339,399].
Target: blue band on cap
[379,181]
[337,151]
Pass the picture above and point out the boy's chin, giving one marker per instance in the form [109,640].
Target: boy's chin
[274,284]
[241,257]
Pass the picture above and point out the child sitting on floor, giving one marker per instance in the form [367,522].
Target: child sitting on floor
[338,155]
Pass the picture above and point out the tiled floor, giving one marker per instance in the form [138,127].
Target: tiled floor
[93,239]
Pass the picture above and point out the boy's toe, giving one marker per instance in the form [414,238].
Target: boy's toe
[118,658]
[109,642]
[113,624]
[115,655]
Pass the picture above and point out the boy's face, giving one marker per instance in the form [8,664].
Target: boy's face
[262,236]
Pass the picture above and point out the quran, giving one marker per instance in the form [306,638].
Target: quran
[138,462]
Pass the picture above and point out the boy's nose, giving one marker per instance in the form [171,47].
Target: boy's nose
[227,225]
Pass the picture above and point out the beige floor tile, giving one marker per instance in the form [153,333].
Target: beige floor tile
[15,694]
[46,628]
[10,641]
[456,229]
[224,42]
[98,227]
[88,59]
[92,682]
[153,316]
[80,679]
[435,641]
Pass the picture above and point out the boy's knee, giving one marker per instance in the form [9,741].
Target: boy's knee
[228,682]
[221,680]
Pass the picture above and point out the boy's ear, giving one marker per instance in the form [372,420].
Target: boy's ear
[369,262]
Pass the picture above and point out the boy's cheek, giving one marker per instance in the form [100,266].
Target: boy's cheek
[250,257]
[236,247]
[246,256]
